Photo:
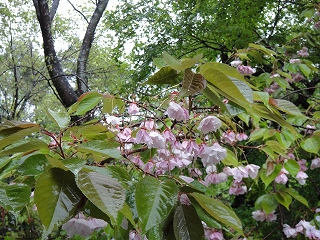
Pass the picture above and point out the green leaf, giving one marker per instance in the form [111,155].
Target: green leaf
[257,134]
[268,179]
[192,83]
[305,69]
[165,75]
[56,196]
[263,49]
[10,127]
[16,136]
[213,96]
[224,68]
[85,103]
[186,224]
[205,217]
[180,65]
[61,118]
[230,159]
[109,103]
[284,199]
[155,200]
[14,197]
[267,203]
[33,165]
[219,211]
[287,107]
[103,191]
[292,167]
[311,144]
[32,145]
[296,196]
[159,62]
[103,148]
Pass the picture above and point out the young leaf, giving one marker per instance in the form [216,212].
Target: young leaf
[297,196]
[56,196]
[267,202]
[284,199]
[85,103]
[311,144]
[107,149]
[186,224]
[155,200]
[61,118]
[103,191]
[219,211]
[192,83]
[292,167]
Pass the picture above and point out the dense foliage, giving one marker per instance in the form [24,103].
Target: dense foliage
[211,150]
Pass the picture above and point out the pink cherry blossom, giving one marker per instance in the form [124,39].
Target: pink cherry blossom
[212,155]
[184,199]
[158,140]
[259,216]
[215,178]
[239,172]
[252,170]
[302,164]
[241,136]
[209,124]
[294,60]
[149,125]
[125,135]
[169,136]
[143,137]
[282,177]
[113,120]
[229,137]
[301,177]
[195,172]
[213,234]
[236,63]
[315,163]
[289,232]
[237,188]
[271,217]
[246,70]
[177,112]
[297,77]
[133,109]
[303,52]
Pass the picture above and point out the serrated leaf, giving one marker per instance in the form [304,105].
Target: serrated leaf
[61,118]
[186,224]
[267,202]
[296,196]
[311,144]
[155,200]
[103,191]
[219,211]
[166,75]
[56,196]
[33,165]
[103,148]
[85,103]
[16,136]
[14,197]
[284,199]
[292,167]
[10,127]
[192,83]
[287,107]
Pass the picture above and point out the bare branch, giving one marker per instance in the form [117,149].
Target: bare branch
[78,11]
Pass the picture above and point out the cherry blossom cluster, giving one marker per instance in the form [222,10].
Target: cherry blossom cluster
[245,70]
[303,227]
[261,216]
[211,233]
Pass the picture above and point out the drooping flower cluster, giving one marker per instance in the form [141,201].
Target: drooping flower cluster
[261,216]
[302,227]
[245,70]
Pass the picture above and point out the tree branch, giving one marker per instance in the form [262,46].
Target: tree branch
[53,9]
[82,81]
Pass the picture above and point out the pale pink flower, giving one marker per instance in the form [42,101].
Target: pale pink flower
[282,177]
[209,124]
[148,167]
[158,140]
[289,232]
[125,135]
[211,169]
[212,155]
[169,136]
[149,124]
[136,160]
[297,77]
[303,52]
[239,172]
[143,137]
[301,177]
[246,70]
[133,109]
[294,60]
[237,188]
[215,178]
[213,234]
[177,112]
[113,120]
[302,164]
[315,163]
[228,171]
[184,199]
[186,179]
[134,235]
[271,217]
[259,215]
[241,136]
[236,63]
[310,129]
[310,231]
[229,137]
[195,172]
[252,170]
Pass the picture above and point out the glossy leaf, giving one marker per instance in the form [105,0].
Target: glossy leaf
[267,179]
[186,224]
[224,68]
[219,211]
[213,96]
[154,200]
[56,196]
[33,165]
[18,135]
[11,127]
[103,148]
[267,202]
[287,107]
[103,191]
[32,145]
[296,196]
[165,75]
[14,197]
[192,83]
